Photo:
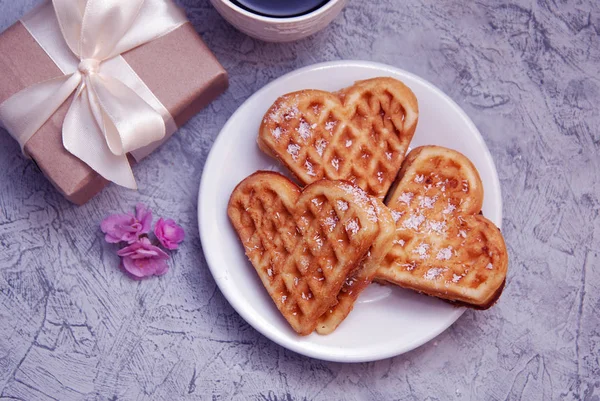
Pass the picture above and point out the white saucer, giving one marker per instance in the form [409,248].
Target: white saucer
[386,321]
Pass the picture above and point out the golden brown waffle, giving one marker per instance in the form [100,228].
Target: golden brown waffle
[303,244]
[356,283]
[360,134]
[443,247]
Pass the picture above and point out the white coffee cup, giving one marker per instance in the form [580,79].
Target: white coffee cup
[278,29]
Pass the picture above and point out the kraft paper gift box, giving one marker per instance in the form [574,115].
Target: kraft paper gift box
[178,68]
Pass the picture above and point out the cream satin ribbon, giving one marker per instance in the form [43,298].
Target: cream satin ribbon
[113,112]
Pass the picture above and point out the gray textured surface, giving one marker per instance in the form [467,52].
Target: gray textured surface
[527,72]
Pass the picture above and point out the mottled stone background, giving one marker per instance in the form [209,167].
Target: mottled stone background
[73,327]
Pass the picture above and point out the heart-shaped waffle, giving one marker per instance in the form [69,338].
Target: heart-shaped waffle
[443,246]
[360,134]
[304,244]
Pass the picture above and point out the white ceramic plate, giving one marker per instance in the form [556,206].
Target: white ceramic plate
[386,321]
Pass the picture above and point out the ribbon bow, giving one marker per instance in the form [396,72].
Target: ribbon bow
[107,118]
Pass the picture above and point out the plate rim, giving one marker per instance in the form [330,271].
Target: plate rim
[235,303]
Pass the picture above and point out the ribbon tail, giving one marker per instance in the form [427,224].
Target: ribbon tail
[83,138]
[25,112]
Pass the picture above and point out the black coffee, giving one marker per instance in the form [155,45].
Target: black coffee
[280,8]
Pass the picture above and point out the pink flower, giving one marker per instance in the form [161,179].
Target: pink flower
[127,227]
[142,259]
[168,233]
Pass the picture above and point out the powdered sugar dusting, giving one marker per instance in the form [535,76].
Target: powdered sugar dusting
[287,111]
[442,184]
[293,150]
[342,205]
[309,168]
[276,132]
[372,214]
[359,195]
[388,155]
[362,198]
[318,240]
[421,250]
[396,215]
[409,266]
[349,143]
[414,221]
[304,130]
[419,178]
[489,266]
[433,273]
[456,278]
[335,163]
[291,112]
[439,227]
[406,197]
[320,145]
[380,176]
[426,202]
[329,125]
[400,242]
[352,226]
[331,222]
[444,253]
[449,209]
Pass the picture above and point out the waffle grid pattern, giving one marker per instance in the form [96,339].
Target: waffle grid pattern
[357,282]
[363,140]
[302,258]
[442,246]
